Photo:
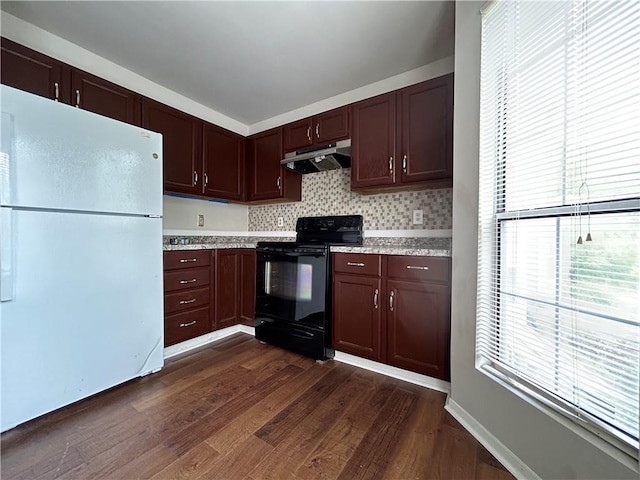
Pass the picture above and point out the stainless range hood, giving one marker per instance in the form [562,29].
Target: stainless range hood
[326,157]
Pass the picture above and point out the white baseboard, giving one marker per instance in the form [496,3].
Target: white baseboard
[498,449]
[400,374]
[206,339]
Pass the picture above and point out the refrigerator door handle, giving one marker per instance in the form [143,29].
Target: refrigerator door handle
[6,256]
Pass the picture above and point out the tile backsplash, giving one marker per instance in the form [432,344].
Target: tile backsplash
[328,193]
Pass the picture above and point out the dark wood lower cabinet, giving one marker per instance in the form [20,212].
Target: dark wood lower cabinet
[188,288]
[356,316]
[207,290]
[393,309]
[235,287]
[417,336]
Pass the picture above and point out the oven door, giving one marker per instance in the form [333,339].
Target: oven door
[291,286]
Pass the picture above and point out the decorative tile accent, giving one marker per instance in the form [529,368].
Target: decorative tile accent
[329,193]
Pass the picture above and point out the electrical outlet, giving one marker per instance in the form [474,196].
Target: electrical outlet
[200,220]
[417,217]
[281,221]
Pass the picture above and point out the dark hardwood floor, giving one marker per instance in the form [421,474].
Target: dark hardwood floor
[242,410]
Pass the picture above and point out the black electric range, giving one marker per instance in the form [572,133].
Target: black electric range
[293,285]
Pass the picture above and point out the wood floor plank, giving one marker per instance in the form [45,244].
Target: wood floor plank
[331,454]
[193,464]
[414,450]
[185,439]
[241,409]
[144,466]
[240,461]
[244,425]
[274,431]
[454,455]
[374,451]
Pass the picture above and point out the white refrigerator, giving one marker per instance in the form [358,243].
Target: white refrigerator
[81,307]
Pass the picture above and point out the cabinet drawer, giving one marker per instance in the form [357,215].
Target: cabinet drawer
[186,259]
[356,263]
[183,326]
[185,300]
[429,269]
[185,279]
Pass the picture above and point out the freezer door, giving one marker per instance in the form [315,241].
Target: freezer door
[56,156]
[86,311]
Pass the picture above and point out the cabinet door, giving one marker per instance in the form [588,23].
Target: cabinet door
[34,72]
[223,153]
[331,126]
[247,259]
[181,145]
[427,126]
[357,326]
[373,142]
[105,98]
[226,285]
[418,327]
[267,176]
[298,135]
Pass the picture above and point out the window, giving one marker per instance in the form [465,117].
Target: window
[559,218]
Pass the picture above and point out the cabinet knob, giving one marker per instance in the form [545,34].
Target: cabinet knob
[391,295]
[375,298]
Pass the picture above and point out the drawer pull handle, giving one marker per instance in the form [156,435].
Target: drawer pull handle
[417,267]
[391,300]
[187,260]
[375,298]
[183,282]
[184,302]
[354,264]
[188,324]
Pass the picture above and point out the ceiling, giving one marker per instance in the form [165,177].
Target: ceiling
[254,60]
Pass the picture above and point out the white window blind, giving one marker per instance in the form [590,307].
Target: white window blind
[559,260]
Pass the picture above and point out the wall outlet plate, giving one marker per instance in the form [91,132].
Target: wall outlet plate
[281,221]
[200,220]
[418,217]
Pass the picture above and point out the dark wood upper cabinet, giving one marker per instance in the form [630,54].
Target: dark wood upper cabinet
[318,130]
[373,142]
[298,135]
[404,139]
[181,143]
[105,98]
[427,130]
[331,126]
[223,163]
[34,72]
[268,179]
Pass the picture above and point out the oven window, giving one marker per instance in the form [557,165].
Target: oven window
[288,280]
[292,289]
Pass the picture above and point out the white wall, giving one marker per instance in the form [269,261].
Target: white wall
[547,447]
[182,213]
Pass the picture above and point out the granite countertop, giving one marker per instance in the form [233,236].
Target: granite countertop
[416,246]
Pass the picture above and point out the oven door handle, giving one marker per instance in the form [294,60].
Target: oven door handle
[290,254]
